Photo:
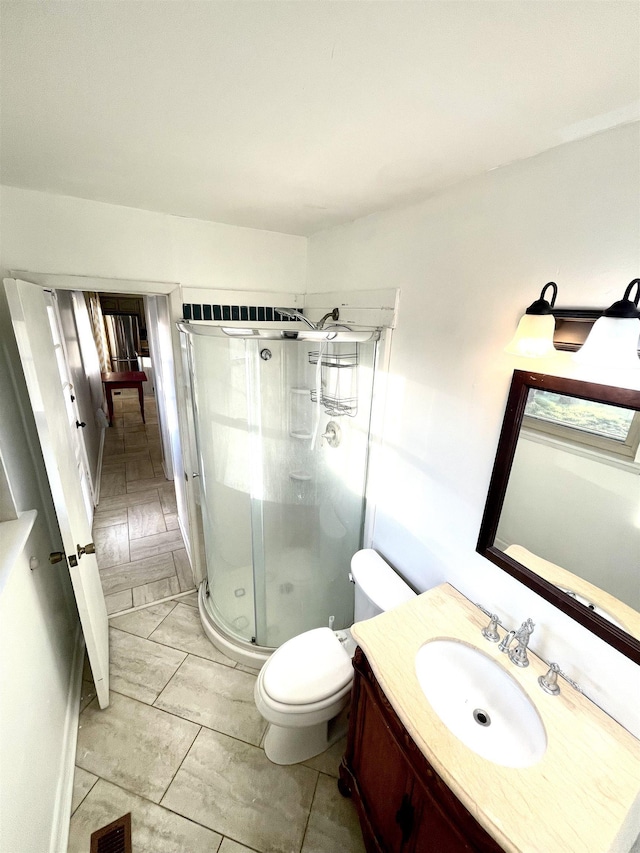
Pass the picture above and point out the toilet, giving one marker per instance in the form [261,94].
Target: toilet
[303,689]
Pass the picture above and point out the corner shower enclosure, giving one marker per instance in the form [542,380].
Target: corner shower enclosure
[281,422]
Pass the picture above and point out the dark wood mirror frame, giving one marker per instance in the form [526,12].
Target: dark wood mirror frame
[522,382]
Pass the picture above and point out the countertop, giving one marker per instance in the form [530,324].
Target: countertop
[583,796]
[627,617]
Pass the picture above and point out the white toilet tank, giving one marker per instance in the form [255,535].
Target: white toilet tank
[378,587]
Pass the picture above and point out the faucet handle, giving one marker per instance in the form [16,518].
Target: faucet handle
[491,631]
[549,681]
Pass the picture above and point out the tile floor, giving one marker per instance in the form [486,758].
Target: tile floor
[180,744]
[139,547]
[180,747]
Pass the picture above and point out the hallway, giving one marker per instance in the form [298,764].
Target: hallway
[139,547]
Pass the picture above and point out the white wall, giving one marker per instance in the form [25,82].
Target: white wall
[468,261]
[577,510]
[49,234]
[59,234]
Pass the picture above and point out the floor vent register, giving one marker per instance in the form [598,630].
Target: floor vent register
[113,838]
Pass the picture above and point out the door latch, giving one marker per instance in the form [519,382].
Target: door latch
[88,549]
[56,557]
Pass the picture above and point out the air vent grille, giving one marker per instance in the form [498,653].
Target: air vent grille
[114,838]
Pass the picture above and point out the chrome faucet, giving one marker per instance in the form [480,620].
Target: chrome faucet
[522,635]
[518,656]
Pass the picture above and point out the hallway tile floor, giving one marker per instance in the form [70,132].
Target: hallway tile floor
[180,747]
[140,552]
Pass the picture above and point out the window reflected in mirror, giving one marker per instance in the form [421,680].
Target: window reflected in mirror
[564,500]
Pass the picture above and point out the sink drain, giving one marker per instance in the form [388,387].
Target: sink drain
[481,717]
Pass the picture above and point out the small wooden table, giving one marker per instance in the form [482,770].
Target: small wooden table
[125,379]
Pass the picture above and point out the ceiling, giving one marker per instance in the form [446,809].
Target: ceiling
[295,116]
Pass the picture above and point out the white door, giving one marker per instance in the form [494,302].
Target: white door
[32,323]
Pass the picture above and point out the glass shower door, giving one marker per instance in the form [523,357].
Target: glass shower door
[307,501]
[219,389]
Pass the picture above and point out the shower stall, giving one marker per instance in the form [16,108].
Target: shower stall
[281,422]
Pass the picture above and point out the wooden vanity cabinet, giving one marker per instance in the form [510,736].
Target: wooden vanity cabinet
[403,805]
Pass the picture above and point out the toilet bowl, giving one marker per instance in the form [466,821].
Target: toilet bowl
[303,690]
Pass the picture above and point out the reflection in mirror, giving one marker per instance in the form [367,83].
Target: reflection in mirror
[564,501]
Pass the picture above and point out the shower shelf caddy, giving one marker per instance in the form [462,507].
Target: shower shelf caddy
[339,397]
[299,430]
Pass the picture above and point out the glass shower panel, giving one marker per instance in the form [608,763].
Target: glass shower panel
[310,503]
[219,383]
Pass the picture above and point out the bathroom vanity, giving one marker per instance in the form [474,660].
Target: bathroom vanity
[402,802]
[419,788]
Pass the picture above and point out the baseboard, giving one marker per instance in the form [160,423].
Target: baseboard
[62,816]
[96,495]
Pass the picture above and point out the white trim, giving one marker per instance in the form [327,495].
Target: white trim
[376,433]
[188,539]
[56,281]
[99,474]
[62,815]
[213,296]
[357,307]
[144,606]
[585,451]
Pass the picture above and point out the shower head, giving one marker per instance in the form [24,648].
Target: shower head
[296,315]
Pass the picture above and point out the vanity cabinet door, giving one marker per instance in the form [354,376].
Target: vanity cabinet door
[403,805]
[383,778]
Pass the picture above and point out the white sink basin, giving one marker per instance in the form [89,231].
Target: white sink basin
[481,703]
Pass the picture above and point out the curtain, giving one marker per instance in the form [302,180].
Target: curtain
[97,327]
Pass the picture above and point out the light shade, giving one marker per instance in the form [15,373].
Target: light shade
[613,340]
[534,336]
[612,343]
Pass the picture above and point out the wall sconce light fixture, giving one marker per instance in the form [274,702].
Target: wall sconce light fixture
[613,340]
[534,335]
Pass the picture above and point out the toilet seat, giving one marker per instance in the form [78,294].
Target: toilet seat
[311,670]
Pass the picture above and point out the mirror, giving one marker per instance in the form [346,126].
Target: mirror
[563,508]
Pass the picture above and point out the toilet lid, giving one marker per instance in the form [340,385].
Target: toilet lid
[307,668]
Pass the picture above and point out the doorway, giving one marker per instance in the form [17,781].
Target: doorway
[144,493]
[139,545]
